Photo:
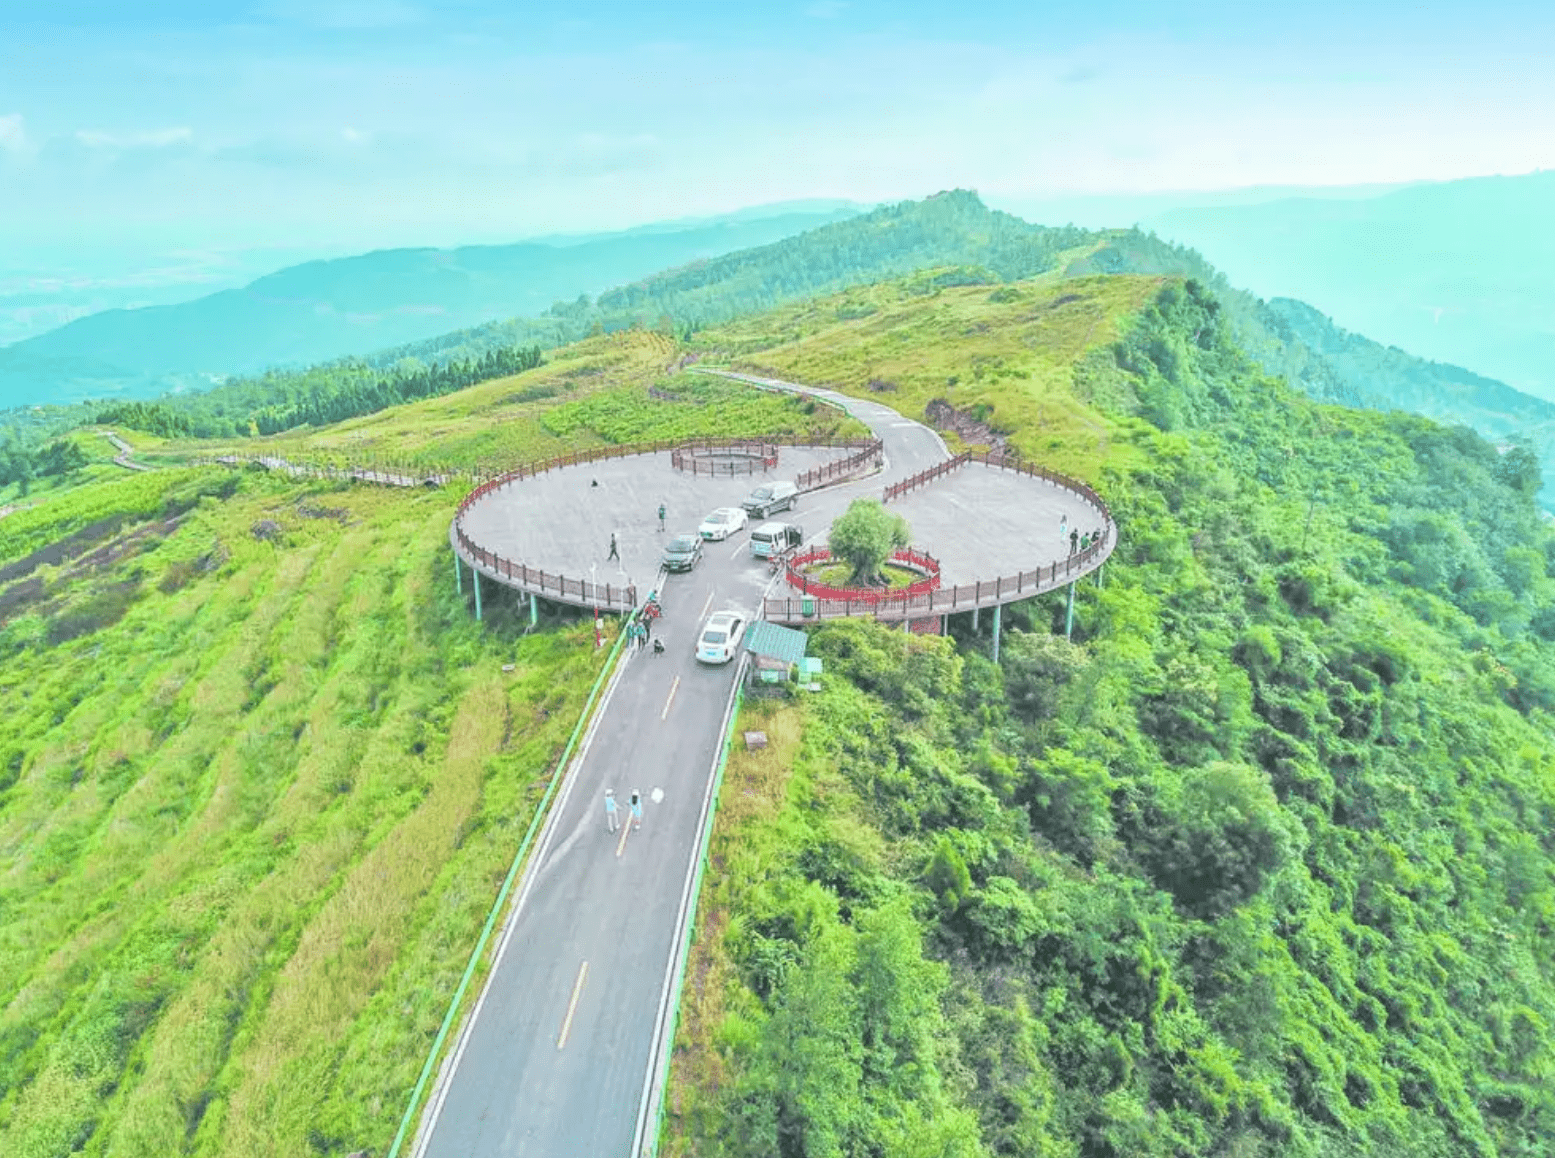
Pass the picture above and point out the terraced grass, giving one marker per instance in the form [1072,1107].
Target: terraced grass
[1026,358]
[590,394]
[251,825]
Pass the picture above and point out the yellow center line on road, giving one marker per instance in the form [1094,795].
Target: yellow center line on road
[664,715]
[625,828]
[572,1006]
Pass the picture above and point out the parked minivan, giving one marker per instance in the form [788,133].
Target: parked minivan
[777,496]
[775,538]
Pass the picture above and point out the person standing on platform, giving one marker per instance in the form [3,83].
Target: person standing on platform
[637,809]
[610,810]
[614,552]
[662,513]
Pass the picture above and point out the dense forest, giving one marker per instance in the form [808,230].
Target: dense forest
[23,464]
[1261,863]
[285,400]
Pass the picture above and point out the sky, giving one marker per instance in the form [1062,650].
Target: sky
[198,126]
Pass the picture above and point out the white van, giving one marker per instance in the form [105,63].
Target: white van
[769,497]
[774,539]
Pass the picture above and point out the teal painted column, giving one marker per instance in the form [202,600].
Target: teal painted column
[475,578]
[997,616]
[458,575]
[534,609]
[974,618]
[1099,570]
[1069,615]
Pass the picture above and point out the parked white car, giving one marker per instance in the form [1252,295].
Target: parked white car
[720,638]
[722,523]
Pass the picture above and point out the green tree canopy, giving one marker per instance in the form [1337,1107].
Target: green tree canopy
[865,536]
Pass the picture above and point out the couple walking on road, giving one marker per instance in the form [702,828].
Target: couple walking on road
[610,809]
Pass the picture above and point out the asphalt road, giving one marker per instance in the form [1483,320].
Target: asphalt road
[553,1059]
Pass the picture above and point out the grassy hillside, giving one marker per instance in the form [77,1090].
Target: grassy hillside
[1260,864]
[261,775]
[591,393]
[255,794]
[1003,357]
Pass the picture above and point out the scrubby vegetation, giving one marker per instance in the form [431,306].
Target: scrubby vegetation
[1260,864]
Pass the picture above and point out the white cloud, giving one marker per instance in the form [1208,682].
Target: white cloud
[13,134]
[150,139]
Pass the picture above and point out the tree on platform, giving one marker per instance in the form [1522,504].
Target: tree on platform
[864,538]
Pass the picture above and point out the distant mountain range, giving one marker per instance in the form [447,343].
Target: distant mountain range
[322,310]
[953,233]
[1458,271]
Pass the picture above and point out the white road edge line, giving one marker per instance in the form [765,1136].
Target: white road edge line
[664,715]
[657,1046]
[450,1066]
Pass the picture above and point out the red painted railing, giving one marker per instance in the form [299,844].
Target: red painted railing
[945,600]
[871,596]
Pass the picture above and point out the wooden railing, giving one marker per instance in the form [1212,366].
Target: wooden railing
[604,596]
[872,449]
[865,596]
[726,456]
[1003,460]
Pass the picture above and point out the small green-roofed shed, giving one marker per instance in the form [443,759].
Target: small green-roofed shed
[780,643]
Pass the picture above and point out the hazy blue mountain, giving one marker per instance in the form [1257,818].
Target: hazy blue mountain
[1292,339]
[321,310]
[1459,271]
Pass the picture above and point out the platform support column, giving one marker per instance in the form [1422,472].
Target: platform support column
[1069,615]
[974,618]
[475,578]
[998,608]
[458,575]
[534,609]
[1099,570]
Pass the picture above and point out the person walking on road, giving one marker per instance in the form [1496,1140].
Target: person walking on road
[662,513]
[637,809]
[610,810]
[614,553]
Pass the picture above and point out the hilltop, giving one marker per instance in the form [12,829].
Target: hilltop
[951,239]
[1256,865]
